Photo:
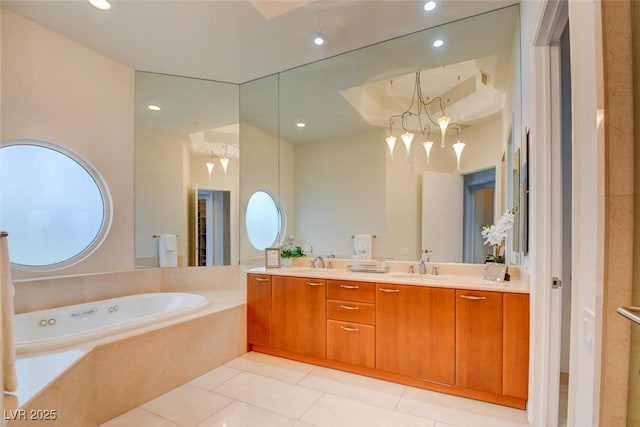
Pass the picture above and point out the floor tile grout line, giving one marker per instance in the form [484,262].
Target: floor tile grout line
[153,413]
[231,401]
[322,394]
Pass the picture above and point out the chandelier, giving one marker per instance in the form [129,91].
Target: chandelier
[420,110]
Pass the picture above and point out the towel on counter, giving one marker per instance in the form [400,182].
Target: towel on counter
[6,302]
[362,245]
[167,250]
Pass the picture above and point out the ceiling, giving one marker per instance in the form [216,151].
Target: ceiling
[237,41]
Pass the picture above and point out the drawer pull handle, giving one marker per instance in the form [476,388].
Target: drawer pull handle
[348,307]
[472,297]
[393,291]
[344,328]
[350,286]
[261,279]
[314,284]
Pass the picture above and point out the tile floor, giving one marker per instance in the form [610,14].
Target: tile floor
[257,390]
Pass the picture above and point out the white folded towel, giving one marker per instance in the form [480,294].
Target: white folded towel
[362,245]
[167,250]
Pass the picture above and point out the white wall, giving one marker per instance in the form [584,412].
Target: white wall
[57,90]
[339,192]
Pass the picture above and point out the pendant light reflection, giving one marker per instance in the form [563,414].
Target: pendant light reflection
[458,147]
[418,116]
[407,137]
[391,142]
[428,145]
[210,164]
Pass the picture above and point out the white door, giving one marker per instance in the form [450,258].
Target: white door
[442,210]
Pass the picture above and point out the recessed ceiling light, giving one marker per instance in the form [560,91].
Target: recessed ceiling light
[153,107]
[318,40]
[429,6]
[438,43]
[301,124]
[100,4]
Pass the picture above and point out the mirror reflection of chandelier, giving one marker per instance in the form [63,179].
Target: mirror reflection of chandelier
[421,111]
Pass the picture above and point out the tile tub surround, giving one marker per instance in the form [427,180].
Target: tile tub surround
[115,377]
[43,293]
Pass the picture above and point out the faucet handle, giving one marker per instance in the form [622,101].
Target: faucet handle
[434,270]
[312,263]
[411,270]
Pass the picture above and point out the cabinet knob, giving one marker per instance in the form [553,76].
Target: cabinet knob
[394,291]
[314,284]
[261,279]
[348,307]
[349,286]
[344,328]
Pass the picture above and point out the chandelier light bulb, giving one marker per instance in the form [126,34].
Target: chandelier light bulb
[427,147]
[407,137]
[318,40]
[458,147]
[443,121]
[210,166]
[224,161]
[391,142]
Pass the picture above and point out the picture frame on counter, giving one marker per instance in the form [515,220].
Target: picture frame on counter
[272,257]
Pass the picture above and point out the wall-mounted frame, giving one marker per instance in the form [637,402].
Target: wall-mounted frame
[272,257]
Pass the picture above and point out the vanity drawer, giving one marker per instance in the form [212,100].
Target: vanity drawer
[351,311]
[351,291]
[351,343]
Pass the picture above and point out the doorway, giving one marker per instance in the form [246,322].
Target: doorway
[479,202]
[213,231]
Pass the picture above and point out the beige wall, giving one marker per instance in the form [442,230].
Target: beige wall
[158,184]
[57,90]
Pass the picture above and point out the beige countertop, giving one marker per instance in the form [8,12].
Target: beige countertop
[456,276]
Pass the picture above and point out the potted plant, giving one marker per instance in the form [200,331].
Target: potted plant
[289,252]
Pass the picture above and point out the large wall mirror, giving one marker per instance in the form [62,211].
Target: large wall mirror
[314,138]
[336,176]
[186,169]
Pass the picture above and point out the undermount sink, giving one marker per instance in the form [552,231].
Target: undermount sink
[416,276]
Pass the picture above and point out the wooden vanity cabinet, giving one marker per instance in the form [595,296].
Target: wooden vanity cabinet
[258,310]
[351,322]
[515,350]
[415,332]
[299,319]
[479,341]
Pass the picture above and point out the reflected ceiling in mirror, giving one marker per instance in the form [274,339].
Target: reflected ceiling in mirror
[345,182]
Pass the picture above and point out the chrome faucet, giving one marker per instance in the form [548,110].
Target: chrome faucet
[320,262]
[423,267]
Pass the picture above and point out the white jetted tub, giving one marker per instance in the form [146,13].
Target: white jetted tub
[59,327]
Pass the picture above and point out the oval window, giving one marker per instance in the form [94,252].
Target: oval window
[54,205]
[263,220]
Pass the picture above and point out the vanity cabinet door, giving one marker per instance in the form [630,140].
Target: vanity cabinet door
[415,332]
[515,373]
[300,315]
[258,310]
[351,343]
[479,340]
